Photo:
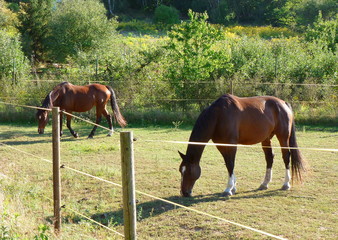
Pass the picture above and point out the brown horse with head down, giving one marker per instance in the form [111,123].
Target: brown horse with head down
[72,98]
[233,120]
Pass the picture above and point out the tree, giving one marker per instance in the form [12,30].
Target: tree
[8,19]
[13,64]
[79,26]
[195,57]
[34,17]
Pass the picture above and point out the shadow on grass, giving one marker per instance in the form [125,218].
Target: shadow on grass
[156,207]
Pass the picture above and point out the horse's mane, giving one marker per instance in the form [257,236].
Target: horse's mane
[210,114]
[48,101]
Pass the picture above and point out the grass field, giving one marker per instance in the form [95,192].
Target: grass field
[308,211]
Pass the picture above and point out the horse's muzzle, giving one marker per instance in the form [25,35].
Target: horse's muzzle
[186,193]
[41,130]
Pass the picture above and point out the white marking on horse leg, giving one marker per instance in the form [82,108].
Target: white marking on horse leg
[231,187]
[111,131]
[286,185]
[267,179]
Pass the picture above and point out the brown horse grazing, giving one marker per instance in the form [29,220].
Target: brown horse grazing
[235,120]
[72,98]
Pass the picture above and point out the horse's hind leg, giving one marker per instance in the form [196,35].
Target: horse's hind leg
[286,157]
[109,120]
[266,145]
[69,118]
[98,120]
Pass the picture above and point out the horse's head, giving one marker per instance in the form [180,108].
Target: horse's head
[42,116]
[190,172]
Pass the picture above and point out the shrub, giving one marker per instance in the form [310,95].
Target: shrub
[166,15]
[79,26]
[324,32]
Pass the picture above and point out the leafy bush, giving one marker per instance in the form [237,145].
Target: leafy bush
[166,15]
[324,32]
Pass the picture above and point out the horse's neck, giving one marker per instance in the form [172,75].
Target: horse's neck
[198,135]
[202,132]
[194,152]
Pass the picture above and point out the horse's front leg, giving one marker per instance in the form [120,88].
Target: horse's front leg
[69,118]
[98,120]
[229,154]
[61,116]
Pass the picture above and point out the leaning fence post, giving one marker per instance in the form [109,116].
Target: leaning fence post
[128,185]
[56,170]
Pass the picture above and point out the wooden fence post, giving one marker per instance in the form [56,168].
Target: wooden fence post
[128,185]
[56,170]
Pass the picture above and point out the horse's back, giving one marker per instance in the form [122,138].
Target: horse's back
[82,98]
[250,120]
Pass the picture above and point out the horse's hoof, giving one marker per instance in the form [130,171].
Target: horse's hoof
[262,187]
[286,187]
[233,191]
[90,137]
[227,194]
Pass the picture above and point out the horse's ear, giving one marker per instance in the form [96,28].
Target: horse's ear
[182,155]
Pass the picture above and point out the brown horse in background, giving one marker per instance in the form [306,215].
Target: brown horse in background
[234,120]
[72,98]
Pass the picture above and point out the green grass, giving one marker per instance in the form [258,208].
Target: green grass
[308,211]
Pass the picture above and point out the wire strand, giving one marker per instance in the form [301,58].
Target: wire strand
[241,145]
[27,106]
[96,222]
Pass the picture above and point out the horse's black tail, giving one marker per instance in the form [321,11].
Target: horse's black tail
[297,160]
[116,110]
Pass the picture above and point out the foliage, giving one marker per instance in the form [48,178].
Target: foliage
[324,32]
[8,19]
[266,32]
[166,15]
[138,27]
[194,57]
[42,233]
[283,61]
[306,11]
[14,66]
[79,26]
[35,17]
